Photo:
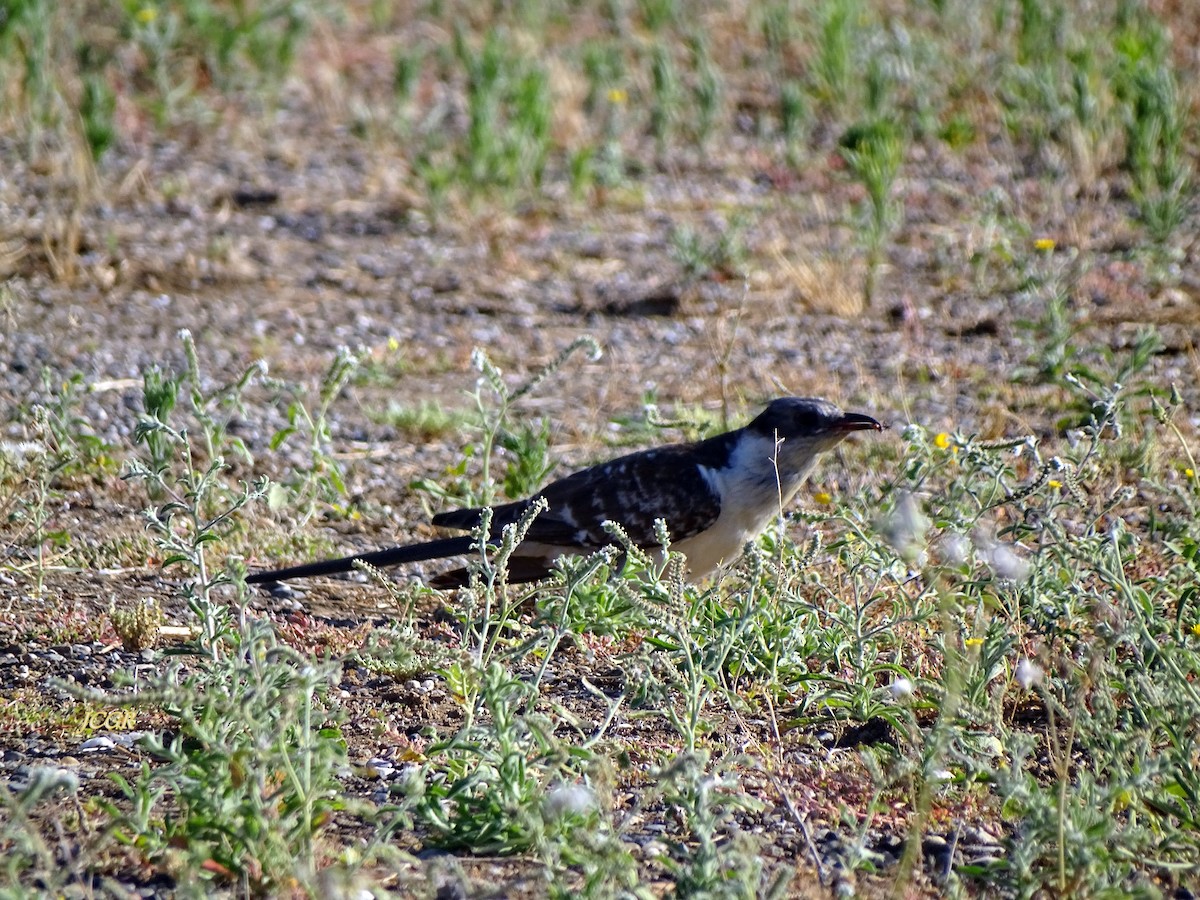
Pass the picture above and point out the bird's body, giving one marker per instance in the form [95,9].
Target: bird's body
[761,494]
[714,495]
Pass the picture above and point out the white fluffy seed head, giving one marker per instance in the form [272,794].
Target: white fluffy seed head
[570,800]
[1028,673]
[905,529]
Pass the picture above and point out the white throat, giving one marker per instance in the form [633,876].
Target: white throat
[756,485]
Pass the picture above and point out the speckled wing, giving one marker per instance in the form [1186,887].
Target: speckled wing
[666,483]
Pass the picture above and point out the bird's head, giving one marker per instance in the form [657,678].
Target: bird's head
[808,421]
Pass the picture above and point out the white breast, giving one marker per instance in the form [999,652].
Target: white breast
[752,493]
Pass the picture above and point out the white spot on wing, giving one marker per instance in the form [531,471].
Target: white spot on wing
[711,478]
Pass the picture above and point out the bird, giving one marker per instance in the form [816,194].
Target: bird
[715,495]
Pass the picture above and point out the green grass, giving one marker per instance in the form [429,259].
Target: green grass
[973,579]
[1017,620]
[425,420]
[1064,84]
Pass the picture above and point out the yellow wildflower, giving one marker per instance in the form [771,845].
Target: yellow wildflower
[824,498]
[1190,473]
[1196,629]
[1054,483]
[617,96]
[147,14]
[1044,244]
[974,642]
[942,441]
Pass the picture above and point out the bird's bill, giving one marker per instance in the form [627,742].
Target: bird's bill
[857,422]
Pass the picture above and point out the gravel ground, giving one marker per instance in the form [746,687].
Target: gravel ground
[285,250]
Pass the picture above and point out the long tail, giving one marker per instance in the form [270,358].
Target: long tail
[392,556]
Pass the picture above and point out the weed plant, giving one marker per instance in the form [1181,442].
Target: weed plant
[320,482]
[1021,647]
[526,446]
[873,153]
[1075,93]
[1016,619]
[28,848]
[197,506]
[251,771]
[1153,119]
[58,448]
[250,774]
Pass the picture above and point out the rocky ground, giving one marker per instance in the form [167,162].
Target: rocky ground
[284,244]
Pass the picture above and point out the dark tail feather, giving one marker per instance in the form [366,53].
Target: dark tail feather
[521,570]
[468,519]
[462,519]
[392,556]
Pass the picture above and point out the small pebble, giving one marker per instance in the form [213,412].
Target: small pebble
[50,779]
[655,849]
[978,835]
[378,767]
[570,799]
